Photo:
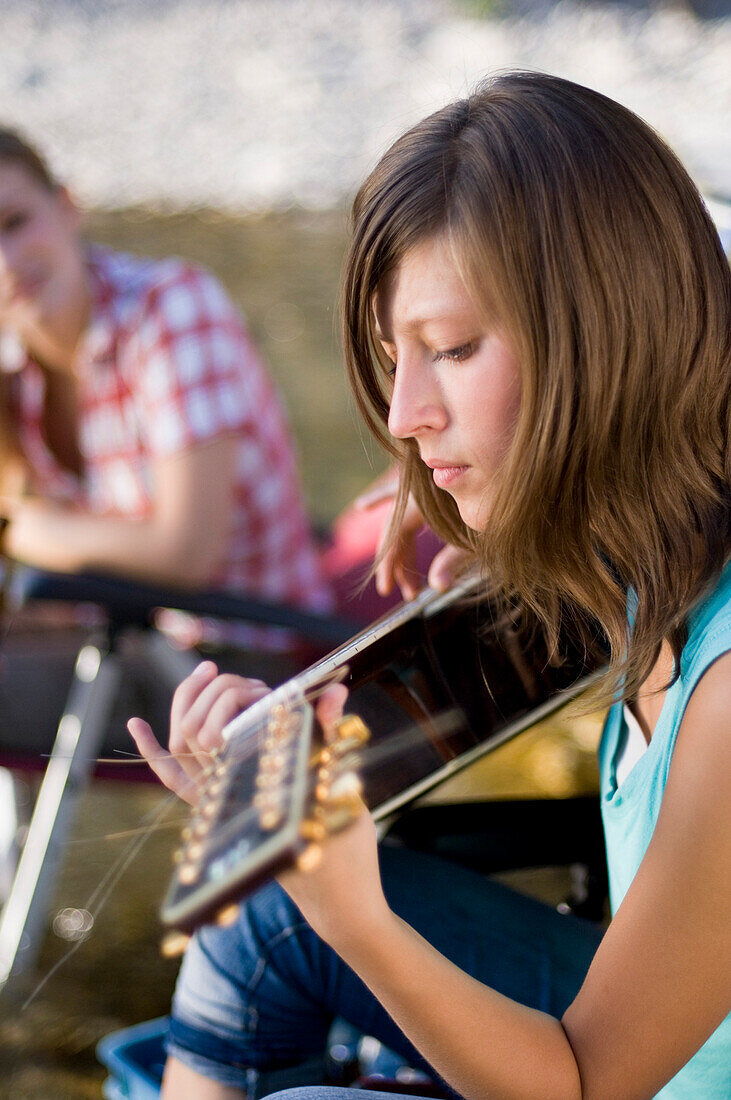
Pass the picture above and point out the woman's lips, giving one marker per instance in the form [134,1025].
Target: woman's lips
[445,476]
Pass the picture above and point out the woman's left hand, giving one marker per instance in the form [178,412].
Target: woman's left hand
[341,898]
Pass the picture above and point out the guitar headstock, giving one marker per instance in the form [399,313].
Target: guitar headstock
[272,794]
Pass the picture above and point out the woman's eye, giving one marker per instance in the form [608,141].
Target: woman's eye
[13,221]
[456,355]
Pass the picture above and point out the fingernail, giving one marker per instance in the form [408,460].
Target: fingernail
[203,668]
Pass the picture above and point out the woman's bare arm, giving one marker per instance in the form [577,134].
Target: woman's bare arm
[660,982]
[179,543]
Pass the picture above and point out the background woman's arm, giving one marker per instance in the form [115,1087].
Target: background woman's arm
[178,543]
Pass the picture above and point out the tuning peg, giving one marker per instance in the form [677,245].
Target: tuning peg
[174,944]
[228,915]
[352,727]
[309,858]
[312,830]
[345,788]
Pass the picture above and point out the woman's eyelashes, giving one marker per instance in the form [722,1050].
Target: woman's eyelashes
[451,355]
[456,355]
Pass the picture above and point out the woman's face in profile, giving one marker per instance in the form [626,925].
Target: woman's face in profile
[456,380]
[41,259]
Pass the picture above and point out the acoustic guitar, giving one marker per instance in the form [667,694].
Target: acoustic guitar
[433,685]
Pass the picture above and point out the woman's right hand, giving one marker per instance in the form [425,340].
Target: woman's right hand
[203,704]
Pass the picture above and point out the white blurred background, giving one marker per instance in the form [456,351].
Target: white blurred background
[246,105]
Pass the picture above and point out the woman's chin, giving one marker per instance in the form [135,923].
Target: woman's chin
[474,514]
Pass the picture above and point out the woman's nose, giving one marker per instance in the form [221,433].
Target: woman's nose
[416,403]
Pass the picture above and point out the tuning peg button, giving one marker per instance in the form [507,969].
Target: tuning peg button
[351,726]
[188,873]
[310,858]
[174,944]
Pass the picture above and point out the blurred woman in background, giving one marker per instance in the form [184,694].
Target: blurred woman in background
[139,432]
[140,437]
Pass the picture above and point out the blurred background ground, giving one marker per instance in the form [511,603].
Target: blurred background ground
[233,132]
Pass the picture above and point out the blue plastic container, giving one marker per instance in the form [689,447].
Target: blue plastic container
[135,1058]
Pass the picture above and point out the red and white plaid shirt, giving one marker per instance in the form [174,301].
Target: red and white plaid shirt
[166,364]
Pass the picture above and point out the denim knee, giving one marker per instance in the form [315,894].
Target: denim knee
[243,1001]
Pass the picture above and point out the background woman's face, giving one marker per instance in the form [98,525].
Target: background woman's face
[41,260]
[456,380]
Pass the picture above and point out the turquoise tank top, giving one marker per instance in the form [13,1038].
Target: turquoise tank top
[630,813]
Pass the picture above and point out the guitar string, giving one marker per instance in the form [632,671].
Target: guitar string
[379,754]
[141,835]
[104,889]
[124,834]
[444,723]
[126,758]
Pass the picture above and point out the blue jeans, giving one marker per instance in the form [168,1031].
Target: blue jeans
[262,994]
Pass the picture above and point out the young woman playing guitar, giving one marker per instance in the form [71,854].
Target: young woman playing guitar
[537,320]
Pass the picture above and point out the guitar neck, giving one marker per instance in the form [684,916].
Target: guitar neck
[437,682]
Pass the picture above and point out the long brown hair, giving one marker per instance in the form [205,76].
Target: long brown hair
[15,149]
[575,225]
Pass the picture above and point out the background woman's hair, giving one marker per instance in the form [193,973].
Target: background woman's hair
[581,235]
[14,149]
